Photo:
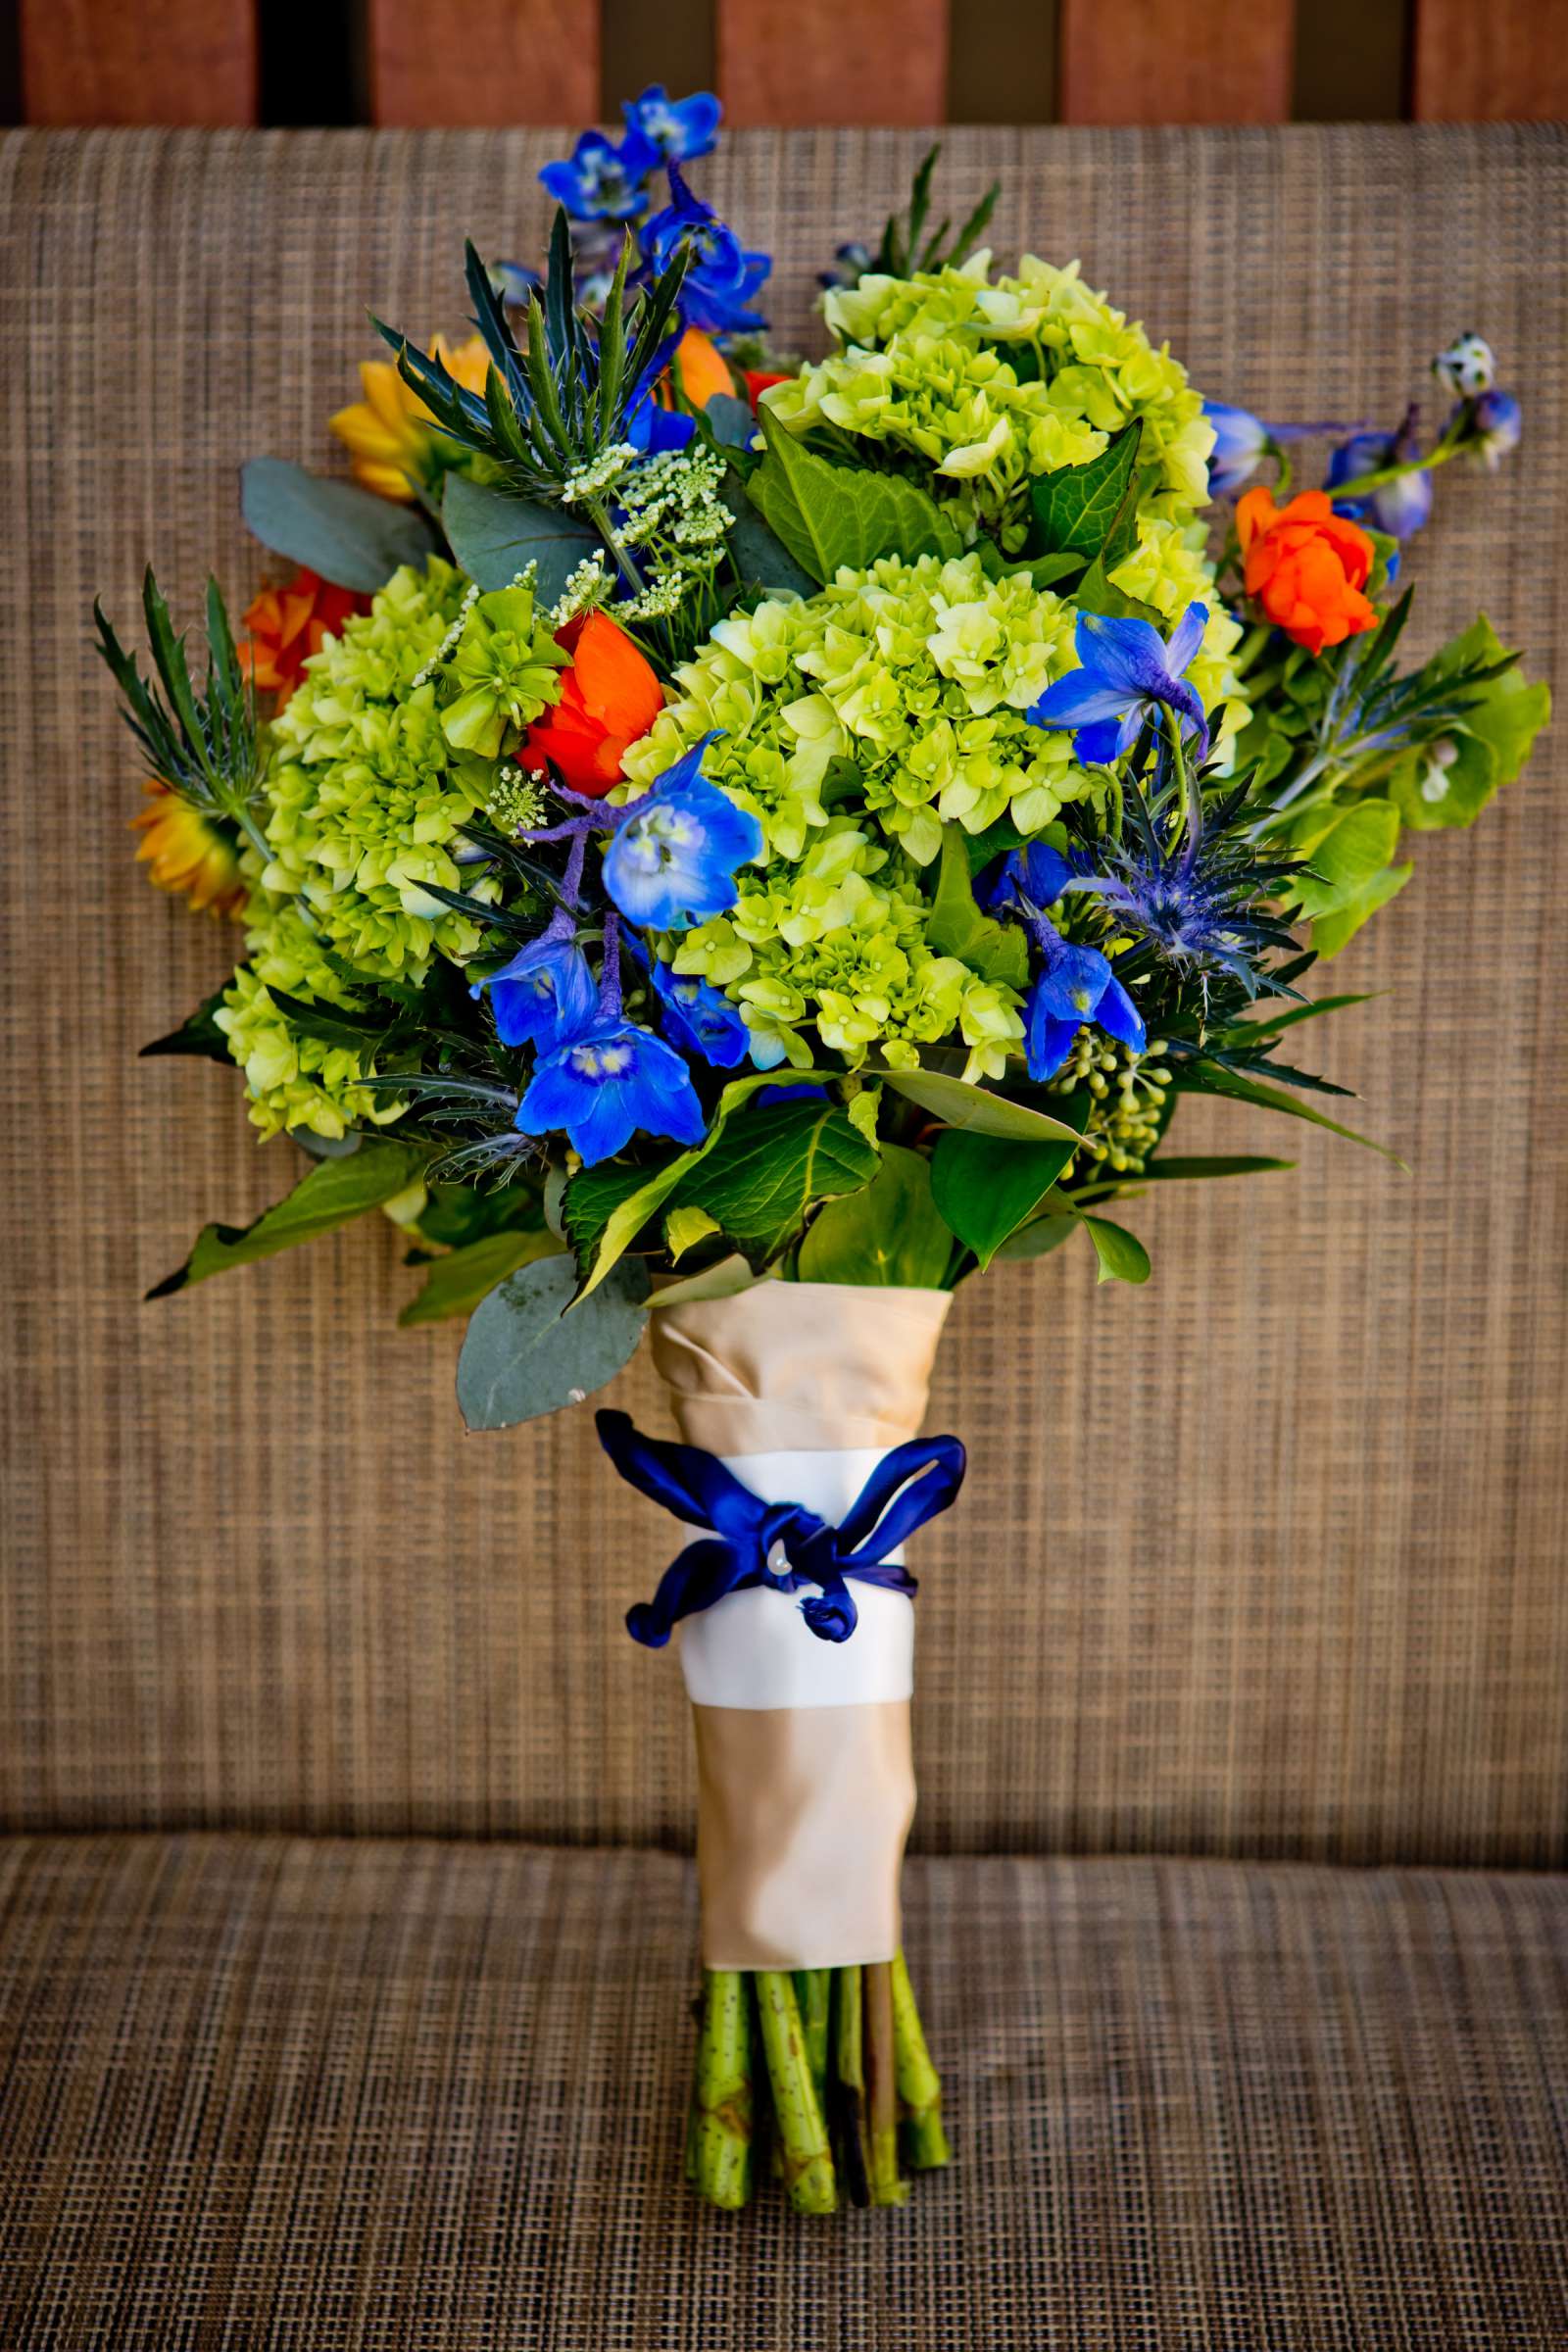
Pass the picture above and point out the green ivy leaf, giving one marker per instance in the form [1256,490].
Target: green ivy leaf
[454,1284]
[986,1188]
[997,952]
[891,1232]
[494,537]
[765,1172]
[828,514]
[524,1354]
[334,1192]
[351,537]
[1090,510]
[959,1104]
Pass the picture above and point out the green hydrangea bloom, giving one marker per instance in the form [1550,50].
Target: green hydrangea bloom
[367,786]
[293,1081]
[980,385]
[856,725]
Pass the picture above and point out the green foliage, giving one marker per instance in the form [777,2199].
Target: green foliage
[495,536]
[829,516]
[1452,779]
[759,556]
[766,1170]
[1090,511]
[347,534]
[976,1110]
[996,951]
[198,1034]
[558,402]
[985,1187]
[890,1232]
[1121,1254]
[1204,1077]
[524,1354]
[201,742]
[907,244]
[335,1192]
[454,1284]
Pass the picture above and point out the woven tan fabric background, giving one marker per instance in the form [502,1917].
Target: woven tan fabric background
[1267,1558]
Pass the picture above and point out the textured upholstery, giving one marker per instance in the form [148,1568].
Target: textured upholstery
[1267,1558]
[359,2096]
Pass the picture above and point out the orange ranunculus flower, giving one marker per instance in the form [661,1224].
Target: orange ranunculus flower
[185,851]
[609,697]
[758,381]
[289,624]
[389,430]
[1306,566]
[703,369]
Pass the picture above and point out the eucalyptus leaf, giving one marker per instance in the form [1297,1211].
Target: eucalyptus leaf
[334,1192]
[495,536]
[986,1188]
[351,537]
[959,1104]
[454,1284]
[891,1232]
[828,514]
[729,419]
[524,1354]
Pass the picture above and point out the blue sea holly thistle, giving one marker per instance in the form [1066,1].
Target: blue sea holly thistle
[613,1080]
[1128,675]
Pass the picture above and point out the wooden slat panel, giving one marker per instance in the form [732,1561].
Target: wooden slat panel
[1176,61]
[1480,61]
[102,61]
[833,61]
[455,63]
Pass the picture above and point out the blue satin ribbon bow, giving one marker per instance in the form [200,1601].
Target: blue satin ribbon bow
[908,1486]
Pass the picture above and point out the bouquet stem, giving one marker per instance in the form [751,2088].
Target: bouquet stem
[720,2133]
[825,2069]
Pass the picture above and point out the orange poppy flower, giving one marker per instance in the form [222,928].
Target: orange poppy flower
[1306,566]
[289,624]
[609,697]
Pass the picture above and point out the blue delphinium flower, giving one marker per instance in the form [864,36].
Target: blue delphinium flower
[1242,441]
[545,994]
[601,181]
[1074,986]
[700,1018]
[1496,424]
[681,129]
[678,848]
[606,1085]
[1398,507]
[721,277]
[850,265]
[1128,674]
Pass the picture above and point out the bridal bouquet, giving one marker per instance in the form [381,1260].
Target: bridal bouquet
[734,846]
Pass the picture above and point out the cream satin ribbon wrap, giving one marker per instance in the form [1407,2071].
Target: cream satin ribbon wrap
[805,1780]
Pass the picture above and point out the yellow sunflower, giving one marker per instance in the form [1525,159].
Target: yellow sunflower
[185,852]
[389,430]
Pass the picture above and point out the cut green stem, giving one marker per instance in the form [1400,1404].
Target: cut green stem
[808,2175]
[886,2188]
[720,2133]
[923,2142]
